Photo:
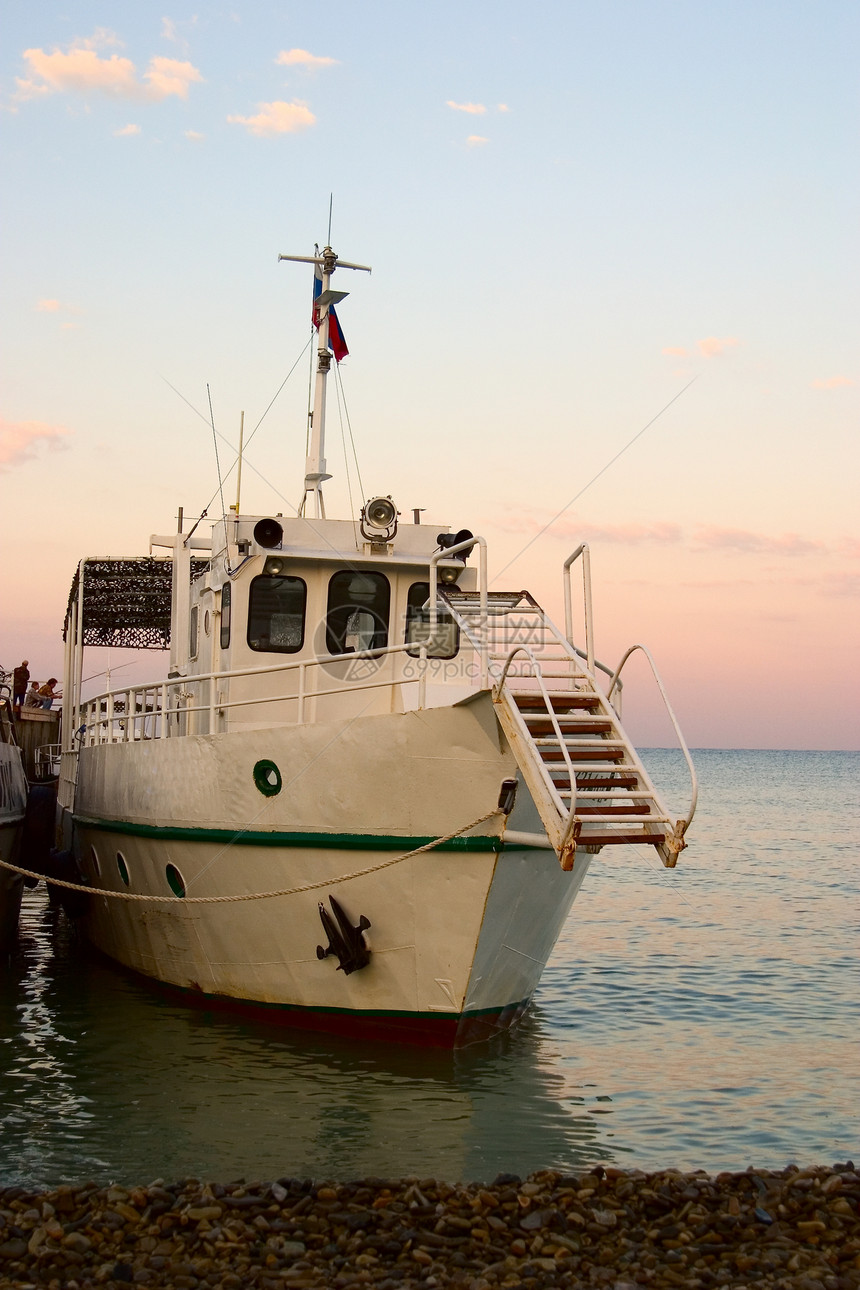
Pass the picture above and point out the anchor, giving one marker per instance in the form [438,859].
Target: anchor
[344,941]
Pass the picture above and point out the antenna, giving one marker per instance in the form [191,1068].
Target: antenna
[330,202]
[325,263]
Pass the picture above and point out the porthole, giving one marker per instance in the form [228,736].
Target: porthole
[207,623]
[122,867]
[267,777]
[175,881]
[95,861]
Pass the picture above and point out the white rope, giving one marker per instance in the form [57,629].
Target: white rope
[264,895]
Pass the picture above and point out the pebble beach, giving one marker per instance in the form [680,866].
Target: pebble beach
[610,1227]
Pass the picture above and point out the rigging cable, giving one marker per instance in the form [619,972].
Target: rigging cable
[339,381]
[220,484]
[250,436]
[340,401]
[593,479]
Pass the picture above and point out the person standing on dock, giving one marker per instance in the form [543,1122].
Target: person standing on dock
[20,677]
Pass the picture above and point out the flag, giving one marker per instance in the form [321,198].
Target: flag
[336,342]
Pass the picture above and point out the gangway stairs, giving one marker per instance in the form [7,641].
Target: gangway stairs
[584,774]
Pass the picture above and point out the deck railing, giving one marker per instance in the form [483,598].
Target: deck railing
[193,704]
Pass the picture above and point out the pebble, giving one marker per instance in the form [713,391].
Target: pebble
[608,1228]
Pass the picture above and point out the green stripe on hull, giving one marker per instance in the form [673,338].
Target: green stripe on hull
[249,837]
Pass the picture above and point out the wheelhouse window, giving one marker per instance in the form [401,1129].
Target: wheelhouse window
[447,641]
[193,631]
[276,614]
[359,606]
[226,611]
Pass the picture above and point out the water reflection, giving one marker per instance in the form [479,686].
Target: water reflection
[103,1078]
[703,1017]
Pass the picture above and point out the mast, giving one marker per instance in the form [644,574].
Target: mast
[325,262]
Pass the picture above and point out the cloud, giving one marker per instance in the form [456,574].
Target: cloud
[168,76]
[102,38]
[194,135]
[301,58]
[833,383]
[474,109]
[82,71]
[21,440]
[277,118]
[749,543]
[127,129]
[662,531]
[674,351]
[50,306]
[839,583]
[713,346]
[502,107]
[170,30]
[574,529]
[79,71]
[475,140]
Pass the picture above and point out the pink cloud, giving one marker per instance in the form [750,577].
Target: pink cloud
[475,140]
[277,118]
[82,71]
[674,351]
[662,531]
[840,583]
[474,109]
[168,76]
[21,440]
[301,58]
[127,130]
[745,541]
[48,306]
[833,383]
[713,346]
[574,529]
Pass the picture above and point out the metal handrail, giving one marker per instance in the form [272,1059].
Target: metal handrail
[584,551]
[682,743]
[446,554]
[538,674]
[99,710]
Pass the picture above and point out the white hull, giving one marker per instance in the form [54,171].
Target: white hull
[457,935]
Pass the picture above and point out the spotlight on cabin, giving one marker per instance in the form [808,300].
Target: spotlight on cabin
[275,565]
[379,519]
[268,533]
[449,573]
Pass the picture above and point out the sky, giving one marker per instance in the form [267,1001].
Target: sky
[613,299]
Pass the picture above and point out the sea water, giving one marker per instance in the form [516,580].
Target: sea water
[702,1017]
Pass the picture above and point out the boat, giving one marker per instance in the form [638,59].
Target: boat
[13,806]
[370,786]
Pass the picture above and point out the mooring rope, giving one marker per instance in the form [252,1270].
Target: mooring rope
[263,895]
